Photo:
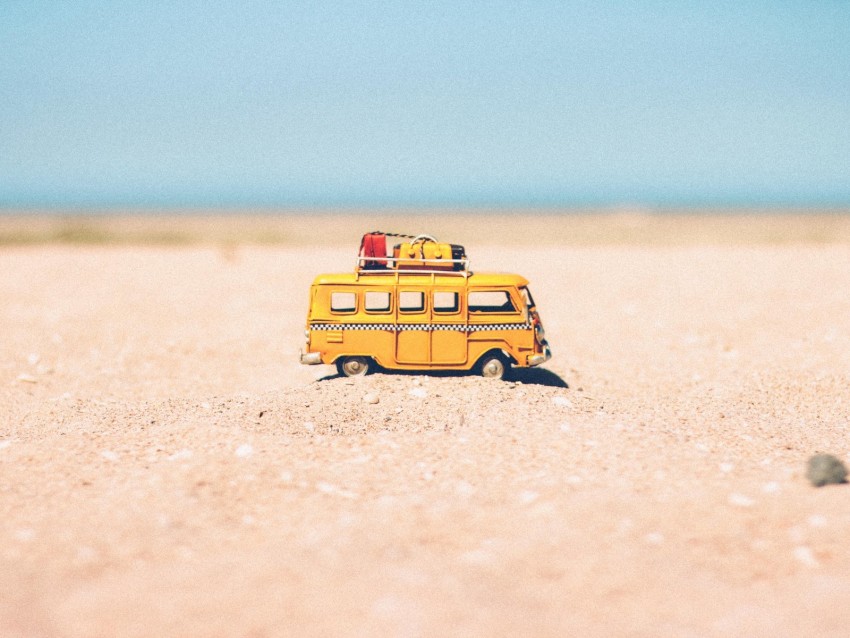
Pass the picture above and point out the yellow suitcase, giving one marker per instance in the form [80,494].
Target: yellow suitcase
[423,255]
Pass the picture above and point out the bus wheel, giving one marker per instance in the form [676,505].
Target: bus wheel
[493,366]
[353,366]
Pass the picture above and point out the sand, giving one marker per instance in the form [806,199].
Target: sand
[167,467]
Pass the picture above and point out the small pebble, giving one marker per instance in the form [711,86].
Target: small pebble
[625,525]
[740,500]
[562,402]
[329,488]
[244,451]
[771,488]
[27,378]
[654,538]
[33,359]
[418,392]
[462,488]
[726,467]
[371,398]
[109,455]
[806,556]
[825,469]
[25,535]
[528,496]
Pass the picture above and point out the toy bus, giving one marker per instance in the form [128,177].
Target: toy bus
[422,309]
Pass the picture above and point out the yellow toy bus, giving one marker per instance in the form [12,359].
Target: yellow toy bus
[422,309]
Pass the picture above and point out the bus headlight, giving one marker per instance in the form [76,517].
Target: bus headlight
[540,334]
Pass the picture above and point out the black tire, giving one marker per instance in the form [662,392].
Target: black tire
[354,366]
[494,365]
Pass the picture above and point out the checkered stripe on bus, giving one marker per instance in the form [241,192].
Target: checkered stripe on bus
[428,327]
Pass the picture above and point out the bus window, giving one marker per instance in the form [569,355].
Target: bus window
[411,301]
[343,301]
[377,301]
[446,301]
[490,301]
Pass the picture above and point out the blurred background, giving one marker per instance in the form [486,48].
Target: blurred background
[363,105]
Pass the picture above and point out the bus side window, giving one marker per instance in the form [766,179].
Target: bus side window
[377,301]
[446,301]
[490,301]
[345,302]
[411,301]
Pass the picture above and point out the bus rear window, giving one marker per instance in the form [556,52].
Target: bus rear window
[343,301]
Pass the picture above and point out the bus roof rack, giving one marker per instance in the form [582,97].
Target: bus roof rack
[388,266]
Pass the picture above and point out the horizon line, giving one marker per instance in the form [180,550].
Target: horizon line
[337,209]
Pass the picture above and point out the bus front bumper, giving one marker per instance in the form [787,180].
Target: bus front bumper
[543,357]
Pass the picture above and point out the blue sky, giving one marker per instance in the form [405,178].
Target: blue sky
[423,103]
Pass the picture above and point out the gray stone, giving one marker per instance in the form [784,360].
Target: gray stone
[825,469]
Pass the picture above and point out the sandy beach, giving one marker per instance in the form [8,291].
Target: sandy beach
[168,468]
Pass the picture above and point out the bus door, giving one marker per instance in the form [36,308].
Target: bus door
[413,341]
[448,326]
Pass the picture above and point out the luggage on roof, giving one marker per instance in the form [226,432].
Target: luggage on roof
[420,253]
[373,251]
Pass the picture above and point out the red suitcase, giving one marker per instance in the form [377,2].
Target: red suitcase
[373,251]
